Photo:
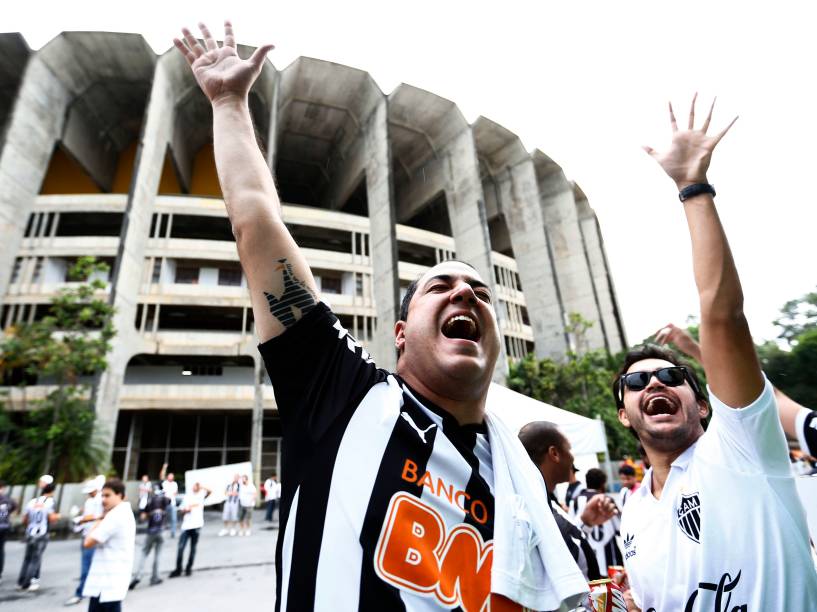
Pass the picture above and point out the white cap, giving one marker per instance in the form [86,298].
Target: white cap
[90,486]
[46,479]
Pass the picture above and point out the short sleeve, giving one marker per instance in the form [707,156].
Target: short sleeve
[317,370]
[106,528]
[806,425]
[749,439]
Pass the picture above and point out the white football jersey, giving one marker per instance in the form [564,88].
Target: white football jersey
[729,532]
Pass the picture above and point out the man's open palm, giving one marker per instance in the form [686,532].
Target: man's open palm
[218,70]
[687,158]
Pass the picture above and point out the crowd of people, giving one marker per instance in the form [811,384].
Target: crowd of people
[446,506]
[405,490]
[107,529]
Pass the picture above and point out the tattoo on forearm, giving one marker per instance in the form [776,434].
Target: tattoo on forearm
[296,300]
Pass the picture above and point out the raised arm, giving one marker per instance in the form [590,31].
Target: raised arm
[727,351]
[281,285]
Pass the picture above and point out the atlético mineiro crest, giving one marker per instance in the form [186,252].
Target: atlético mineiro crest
[689,516]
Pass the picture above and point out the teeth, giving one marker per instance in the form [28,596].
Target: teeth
[472,326]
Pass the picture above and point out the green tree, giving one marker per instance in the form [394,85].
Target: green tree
[797,317]
[57,435]
[580,384]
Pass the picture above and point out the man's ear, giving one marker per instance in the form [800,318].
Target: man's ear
[400,335]
[553,454]
[622,417]
[703,409]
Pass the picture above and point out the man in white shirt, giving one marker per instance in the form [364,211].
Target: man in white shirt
[114,538]
[92,511]
[171,489]
[272,492]
[38,515]
[247,494]
[192,521]
[229,513]
[717,523]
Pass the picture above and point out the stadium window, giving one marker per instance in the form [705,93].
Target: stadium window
[187,275]
[230,277]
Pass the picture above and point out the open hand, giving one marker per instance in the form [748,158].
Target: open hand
[218,70]
[687,159]
[680,338]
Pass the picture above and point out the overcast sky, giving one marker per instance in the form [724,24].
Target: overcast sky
[587,83]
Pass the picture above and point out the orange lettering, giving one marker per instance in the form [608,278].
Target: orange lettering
[426,481]
[406,550]
[449,492]
[465,572]
[409,471]
[457,496]
[483,518]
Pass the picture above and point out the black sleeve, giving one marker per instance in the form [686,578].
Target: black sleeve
[810,433]
[318,371]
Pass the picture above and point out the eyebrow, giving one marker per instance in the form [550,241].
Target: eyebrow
[475,284]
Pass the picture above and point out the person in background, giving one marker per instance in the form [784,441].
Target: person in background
[38,515]
[229,513]
[550,452]
[7,507]
[799,422]
[145,491]
[629,483]
[92,511]
[171,489]
[247,494]
[155,512]
[272,493]
[574,485]
[601,537]
[192,521]
[114,538]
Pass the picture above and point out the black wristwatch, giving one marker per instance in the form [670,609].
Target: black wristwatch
[690,191]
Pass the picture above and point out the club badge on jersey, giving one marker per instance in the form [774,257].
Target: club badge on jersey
[689,516]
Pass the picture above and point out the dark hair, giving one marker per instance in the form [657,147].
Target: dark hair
[412,288]
[626,470]
[115,485]
[2,484]
[49,488]
[537,437]
[596,479]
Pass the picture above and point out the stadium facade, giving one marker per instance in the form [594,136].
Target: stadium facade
[106,149]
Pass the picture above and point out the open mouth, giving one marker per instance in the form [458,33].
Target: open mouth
[660,404]
[462,327]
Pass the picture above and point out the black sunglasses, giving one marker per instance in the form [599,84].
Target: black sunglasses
[672,376]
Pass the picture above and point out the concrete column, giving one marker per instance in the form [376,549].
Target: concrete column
[602,279]
[469,225]
[34,127]
[572,270]
[127,277]
[382,234]
[523,215]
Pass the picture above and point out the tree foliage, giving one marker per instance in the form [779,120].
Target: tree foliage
[57,434]
[581,384]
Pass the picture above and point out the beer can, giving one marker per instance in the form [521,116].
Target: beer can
[613,570]
[605,596]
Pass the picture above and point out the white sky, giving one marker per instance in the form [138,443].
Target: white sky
[586,82]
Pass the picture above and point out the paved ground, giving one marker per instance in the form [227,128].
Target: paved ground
[236,572]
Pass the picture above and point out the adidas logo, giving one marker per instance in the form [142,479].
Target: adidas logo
[628,540]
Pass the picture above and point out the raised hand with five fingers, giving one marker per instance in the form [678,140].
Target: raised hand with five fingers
[686,161]
[219,71]
[680,338]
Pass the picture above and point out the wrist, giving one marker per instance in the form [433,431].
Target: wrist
[681,184]
[229,99]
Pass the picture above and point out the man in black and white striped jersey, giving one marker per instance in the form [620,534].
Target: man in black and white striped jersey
[388,478]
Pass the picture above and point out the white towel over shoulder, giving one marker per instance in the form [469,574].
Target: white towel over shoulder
[531,565]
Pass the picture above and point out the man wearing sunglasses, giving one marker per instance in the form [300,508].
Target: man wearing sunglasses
[717,523]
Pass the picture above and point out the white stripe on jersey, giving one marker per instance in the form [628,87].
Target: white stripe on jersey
[356,467]
[286,549]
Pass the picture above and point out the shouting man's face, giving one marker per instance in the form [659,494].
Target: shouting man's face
[666,418]
[450,338]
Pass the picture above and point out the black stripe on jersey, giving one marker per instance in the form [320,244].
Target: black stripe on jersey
[312,506]
[376,595]
[810,433]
